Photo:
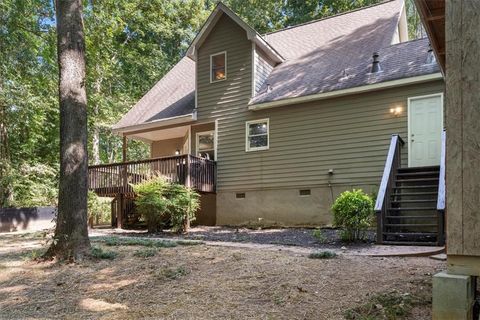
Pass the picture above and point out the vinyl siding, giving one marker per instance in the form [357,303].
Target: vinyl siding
[263,67]
[350,135]
[230,96]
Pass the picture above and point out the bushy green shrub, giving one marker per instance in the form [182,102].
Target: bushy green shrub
[159,201]
[353,211]
[182,202]
[98,209]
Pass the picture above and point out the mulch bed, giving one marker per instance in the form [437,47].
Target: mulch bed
[301,237]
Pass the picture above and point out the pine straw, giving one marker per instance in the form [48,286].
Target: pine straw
[202,282]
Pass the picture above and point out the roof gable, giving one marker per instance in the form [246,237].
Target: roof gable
[252,35]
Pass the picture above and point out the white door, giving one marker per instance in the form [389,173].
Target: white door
[425,125]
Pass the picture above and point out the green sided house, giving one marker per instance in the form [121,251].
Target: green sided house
[271,128]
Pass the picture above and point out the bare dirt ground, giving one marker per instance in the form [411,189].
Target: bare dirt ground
[201,282]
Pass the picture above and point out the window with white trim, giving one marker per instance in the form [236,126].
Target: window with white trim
[218,66]
[257,135]
[205,143]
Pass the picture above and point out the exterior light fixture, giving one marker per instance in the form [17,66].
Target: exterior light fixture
[396,111]
[177,152]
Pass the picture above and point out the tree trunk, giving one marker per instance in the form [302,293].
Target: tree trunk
[71,232]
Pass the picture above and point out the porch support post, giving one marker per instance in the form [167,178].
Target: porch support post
[124,149]
[186,223]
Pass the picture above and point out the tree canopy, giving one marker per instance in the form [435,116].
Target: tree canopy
[130,44]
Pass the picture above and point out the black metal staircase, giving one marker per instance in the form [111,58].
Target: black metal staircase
[410,206]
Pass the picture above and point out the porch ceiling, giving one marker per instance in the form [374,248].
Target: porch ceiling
[163,134]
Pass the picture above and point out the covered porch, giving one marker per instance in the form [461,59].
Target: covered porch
[183,153]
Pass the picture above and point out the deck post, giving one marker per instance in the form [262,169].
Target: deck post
[186,224]
[124,149]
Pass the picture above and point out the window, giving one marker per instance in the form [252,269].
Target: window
[257,135]
[206,145]
[218,66]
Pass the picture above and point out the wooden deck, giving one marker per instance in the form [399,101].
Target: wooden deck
[110,180]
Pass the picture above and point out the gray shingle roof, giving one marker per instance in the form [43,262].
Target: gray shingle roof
[173,95]
[402,60]
[321,56]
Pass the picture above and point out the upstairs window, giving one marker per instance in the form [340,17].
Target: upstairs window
[257,135]
[218,66]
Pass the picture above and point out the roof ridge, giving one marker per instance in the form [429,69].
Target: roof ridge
[329,17]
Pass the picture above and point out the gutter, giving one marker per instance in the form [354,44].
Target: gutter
[346,92]
[157,123]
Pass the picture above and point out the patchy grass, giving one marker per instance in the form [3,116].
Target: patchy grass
[174,273]
[115,241]
[99,253]
[189,242]
[155,243]
[392,306]
[145,253]
[34,254]
[322,255]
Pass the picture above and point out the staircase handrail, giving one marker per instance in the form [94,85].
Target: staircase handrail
[441,179]
[390,164]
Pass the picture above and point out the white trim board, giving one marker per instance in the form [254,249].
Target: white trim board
[345,92]
[440,94]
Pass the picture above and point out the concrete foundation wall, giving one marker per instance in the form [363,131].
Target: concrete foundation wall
[281,207]
[206,216]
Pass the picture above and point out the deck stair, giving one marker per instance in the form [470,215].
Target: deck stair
[411,202]
[412,215]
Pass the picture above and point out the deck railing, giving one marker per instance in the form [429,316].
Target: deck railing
[116,178]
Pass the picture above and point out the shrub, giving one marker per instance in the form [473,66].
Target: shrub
[151,203]
[159,201]
[183,202]
[322,255]
[353,211]
[318,234]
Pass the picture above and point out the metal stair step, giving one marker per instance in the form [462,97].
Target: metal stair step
[416,174]
[416,169]
[414,209]
[414,194]
[411,217]
[414,201]
[417,180]
[411,234]
[410,243]
[415,187]
[409,225]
